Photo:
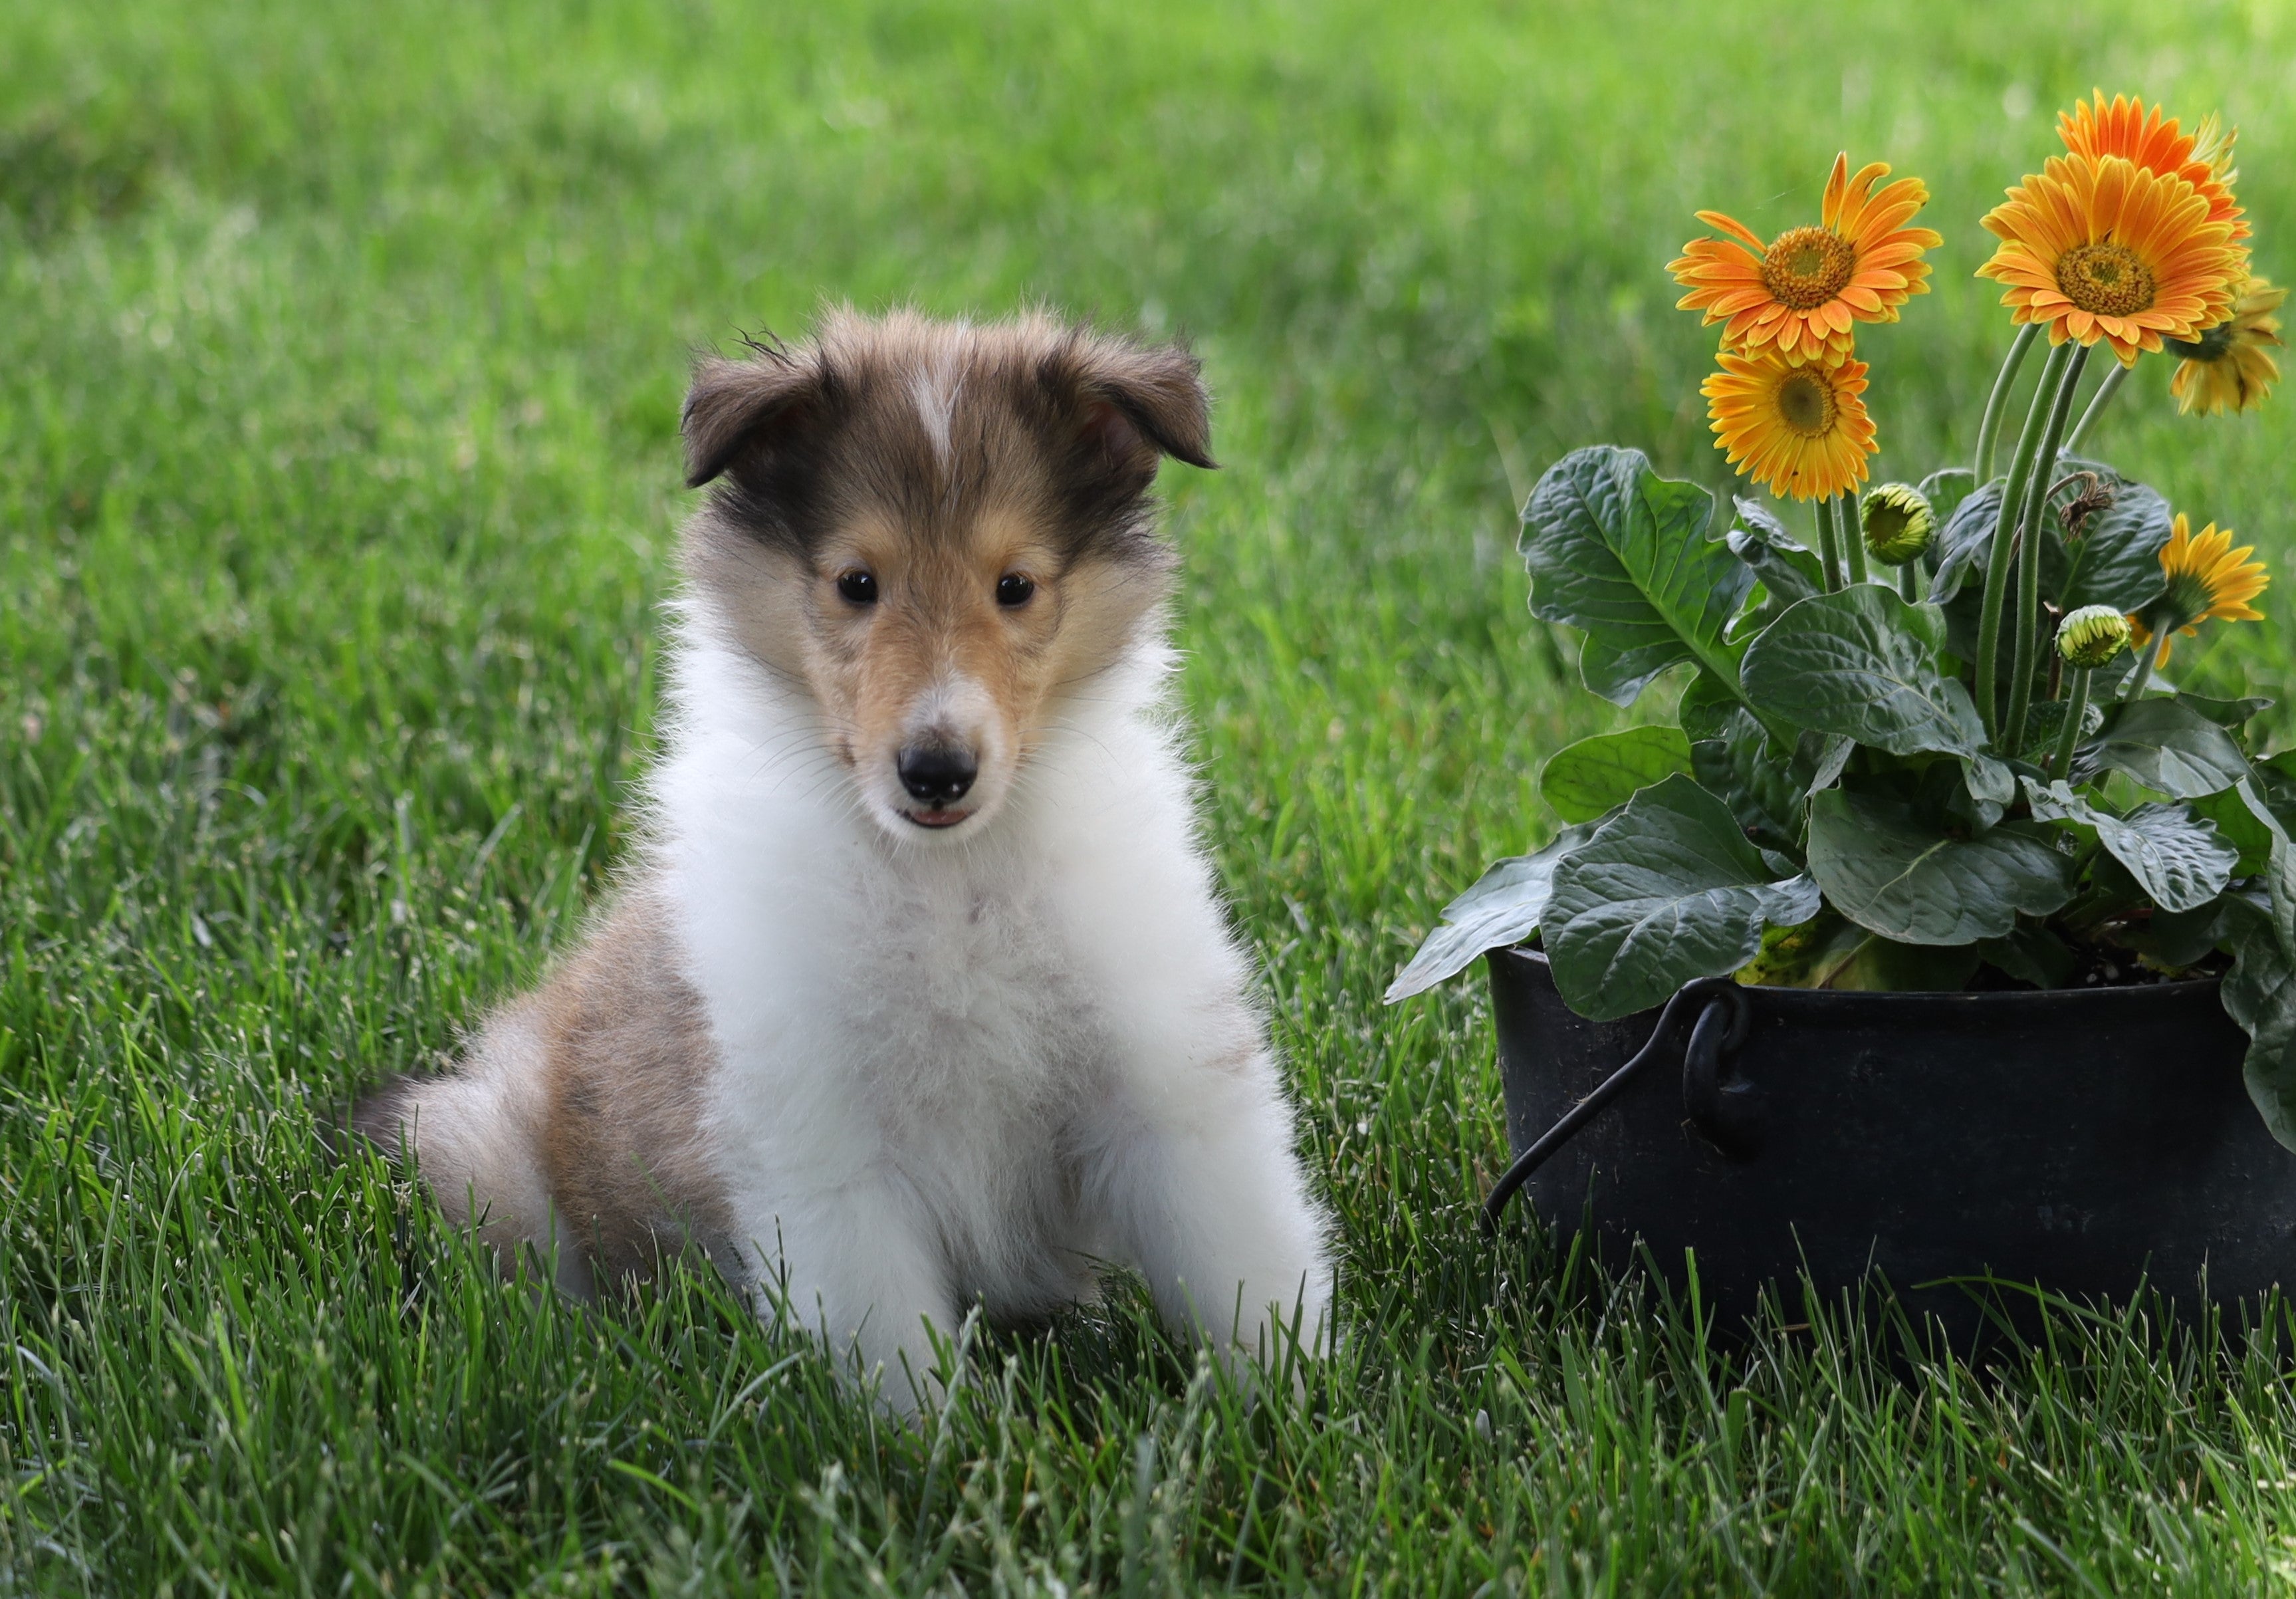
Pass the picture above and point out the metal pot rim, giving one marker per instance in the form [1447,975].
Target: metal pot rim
[1832,1004]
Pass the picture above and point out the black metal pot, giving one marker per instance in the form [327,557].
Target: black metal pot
[2085,1141]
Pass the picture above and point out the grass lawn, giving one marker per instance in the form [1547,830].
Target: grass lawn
[341,352]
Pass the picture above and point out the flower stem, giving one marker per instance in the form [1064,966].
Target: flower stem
[2061,764]
[1829,551]
[2154,649]
[1989,431]
[1852,533]
[2106,390]
[1909,582]
[2004,529]
[2029,554]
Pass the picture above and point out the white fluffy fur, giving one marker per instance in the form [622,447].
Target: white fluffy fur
[964,1069]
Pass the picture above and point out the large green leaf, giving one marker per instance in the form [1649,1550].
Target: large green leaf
[1741,766]
[1619,551]
[2115,558]
[1502,908]
[1788,569]
[2169,747]
[2179,859]
[2259,993]
[1963,539]
[2249,828]
[1668,891]
[2279,864]
[1946,489]
[1708,708]
[1886,869]
[2047,721]
[1581,781]
[2231,715]
[2031,954]
[1862,663]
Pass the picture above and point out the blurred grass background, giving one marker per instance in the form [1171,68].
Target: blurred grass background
[340,354]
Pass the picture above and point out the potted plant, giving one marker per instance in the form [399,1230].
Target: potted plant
[1953,899]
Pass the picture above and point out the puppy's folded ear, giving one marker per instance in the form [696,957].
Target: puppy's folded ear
[1144,401]
[736,406]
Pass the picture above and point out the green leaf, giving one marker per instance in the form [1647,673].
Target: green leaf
[1581,781]
[1788,569]
[1707,708]
[1963,540]
[2259,993]
[1990,782]
[1764,789]
[1668,891]
[2169,747]
[2030,954]
[1502,909]
[2249,830]
[2046,720]
[1621,553]
[1887,870]
[1885,967]
[1862,663]
[2231,715]
[2173,940]
[1762,523]
[2279,867]
[1946,489]
[1831,952]
[2177,858]
[2115,559]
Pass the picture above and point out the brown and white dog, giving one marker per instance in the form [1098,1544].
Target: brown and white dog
[918,995]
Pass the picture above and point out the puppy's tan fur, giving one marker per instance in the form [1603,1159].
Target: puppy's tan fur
[1046,441]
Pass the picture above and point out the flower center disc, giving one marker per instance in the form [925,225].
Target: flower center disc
[2105,278]
[1807,403]
[1807,266]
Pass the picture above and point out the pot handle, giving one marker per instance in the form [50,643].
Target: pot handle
[1722,1112]
[1721,1025]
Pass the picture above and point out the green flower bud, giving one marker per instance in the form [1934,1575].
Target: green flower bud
[1899,524]
[2092,636]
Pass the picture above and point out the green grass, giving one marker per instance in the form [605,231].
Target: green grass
[339,362]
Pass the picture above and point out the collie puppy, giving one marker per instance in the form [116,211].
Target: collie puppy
[918,995]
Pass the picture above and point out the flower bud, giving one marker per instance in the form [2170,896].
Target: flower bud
[1898,524]
[2092,636]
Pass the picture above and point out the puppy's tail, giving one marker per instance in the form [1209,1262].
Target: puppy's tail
[474,1135]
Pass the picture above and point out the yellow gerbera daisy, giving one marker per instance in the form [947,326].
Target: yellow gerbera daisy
[1806,288]
[2106,250]
[2209,581]
[2154,142]
[2227,367]
[1794,423]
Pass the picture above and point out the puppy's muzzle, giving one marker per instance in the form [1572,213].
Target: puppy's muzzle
[938,776]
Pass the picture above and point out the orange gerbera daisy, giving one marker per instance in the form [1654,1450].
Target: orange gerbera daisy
[2209,581]
[1805,289]
[1794,423]
[2154,142]
[2105,248]
[2229,367]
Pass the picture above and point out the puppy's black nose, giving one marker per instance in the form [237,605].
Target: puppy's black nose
[936,775]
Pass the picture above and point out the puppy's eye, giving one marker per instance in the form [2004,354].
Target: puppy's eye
[1013,588]
[858,587]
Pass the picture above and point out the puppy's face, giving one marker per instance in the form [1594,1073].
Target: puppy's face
[941,532]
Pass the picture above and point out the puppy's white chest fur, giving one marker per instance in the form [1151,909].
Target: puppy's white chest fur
[968,1044]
